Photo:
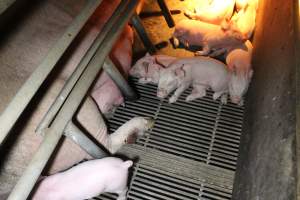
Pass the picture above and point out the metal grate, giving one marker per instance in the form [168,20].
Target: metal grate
[202,130]
[204,133]
[150,183]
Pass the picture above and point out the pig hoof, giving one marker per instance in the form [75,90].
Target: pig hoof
[188,13]
[224,99]
[149,122]
[173,99]
[143,81]
[175,42]
[190,98]
[186,45]
[241,103]
[200,53]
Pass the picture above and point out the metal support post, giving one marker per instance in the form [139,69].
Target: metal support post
[119,80]
[138,25]
[77,136]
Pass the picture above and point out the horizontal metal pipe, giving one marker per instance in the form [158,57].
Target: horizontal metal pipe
[51,113]
[110,68]
[77,136]
[54,133]
[15,108]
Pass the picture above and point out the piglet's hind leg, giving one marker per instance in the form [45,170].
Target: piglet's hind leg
[198,92]
[122,194]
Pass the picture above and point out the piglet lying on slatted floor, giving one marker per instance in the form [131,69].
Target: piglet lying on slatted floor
[199,72]
[86,180]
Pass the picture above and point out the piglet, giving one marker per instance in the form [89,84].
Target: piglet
[200,72]
[214,13]
[86,180]
[244,20]
[148,68]
[238,61]
[209,36]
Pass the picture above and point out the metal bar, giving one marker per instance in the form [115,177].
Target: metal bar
[13,111]
[119,80]
[166,12]
[37,164]
[75,134]
[51,113]
[138,25]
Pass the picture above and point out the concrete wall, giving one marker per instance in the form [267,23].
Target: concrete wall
[267,166]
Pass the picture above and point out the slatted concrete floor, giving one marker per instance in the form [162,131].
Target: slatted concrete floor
[190,153]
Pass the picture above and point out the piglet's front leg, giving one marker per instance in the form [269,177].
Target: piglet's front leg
[135,125]
[122,194]
[178,92]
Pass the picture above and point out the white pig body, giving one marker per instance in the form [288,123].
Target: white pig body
[209,36]
[238,61]
[200,72]
[148,68]
[244,20]
[86,180]
[214,13]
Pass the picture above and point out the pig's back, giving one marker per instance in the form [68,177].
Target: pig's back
[206,71]
[83,181]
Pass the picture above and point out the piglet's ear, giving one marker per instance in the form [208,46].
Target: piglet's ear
[127,164]
[147,54]
[180,72]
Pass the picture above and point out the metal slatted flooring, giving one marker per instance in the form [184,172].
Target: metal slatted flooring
[190,153]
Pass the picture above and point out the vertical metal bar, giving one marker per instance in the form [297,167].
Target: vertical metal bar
[138,25]
[78,71]
[166,12]
[13,111]
[119,80]
[37,164]
[75,134]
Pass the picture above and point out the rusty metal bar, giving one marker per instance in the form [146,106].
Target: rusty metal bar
[119,80]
